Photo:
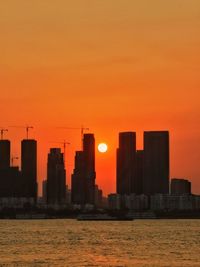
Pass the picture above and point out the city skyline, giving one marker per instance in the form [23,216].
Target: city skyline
[112,66]
[142,179]
[100,132]
[135,182]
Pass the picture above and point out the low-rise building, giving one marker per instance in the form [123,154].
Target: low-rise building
[16,202]
[128,202]
[180,187]
[114,201]
[175,202]
[136,202]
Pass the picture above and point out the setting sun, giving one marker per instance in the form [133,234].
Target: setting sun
[102,147]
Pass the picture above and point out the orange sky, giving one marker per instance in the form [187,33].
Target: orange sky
[112,65]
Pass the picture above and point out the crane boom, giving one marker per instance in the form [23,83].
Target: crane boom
[27,128]
[82,128]
[64,143]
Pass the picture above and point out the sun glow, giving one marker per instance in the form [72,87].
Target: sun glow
[102,147]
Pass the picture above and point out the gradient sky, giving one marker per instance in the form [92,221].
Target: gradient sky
[111,65]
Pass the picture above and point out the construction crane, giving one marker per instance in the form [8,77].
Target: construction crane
[2,132]
[64,143]
[27,130]
[25,127]
[82,128]
[12,160]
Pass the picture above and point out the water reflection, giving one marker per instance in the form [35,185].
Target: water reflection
[74,243]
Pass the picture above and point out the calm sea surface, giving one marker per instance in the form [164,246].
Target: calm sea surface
[72,243]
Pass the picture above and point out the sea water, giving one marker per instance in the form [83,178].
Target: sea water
[89,243]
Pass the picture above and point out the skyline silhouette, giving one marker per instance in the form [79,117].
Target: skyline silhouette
[142,181]
[126,181]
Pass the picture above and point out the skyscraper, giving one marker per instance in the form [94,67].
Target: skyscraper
[4,154]
[126,163]
[10,177]
[29,168]
[83,177]
[78,179]
[90,174]
[10,182]
[156,162]
[56,177]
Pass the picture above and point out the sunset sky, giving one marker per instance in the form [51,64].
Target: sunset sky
[110,65]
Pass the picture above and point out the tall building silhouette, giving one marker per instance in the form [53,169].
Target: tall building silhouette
[29,168]
[78,179]
[10,177]
[4,154]
[56,177]
[83,177]
[90,174]
[126,163]
[10,182]
[156,162]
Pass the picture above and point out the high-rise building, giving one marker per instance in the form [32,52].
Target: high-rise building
[10,183]
[56,177]
[29,168]
[78,179]
[4,154]
[156,162]
[83,177]
[126,163]
[180,187]
[90,174]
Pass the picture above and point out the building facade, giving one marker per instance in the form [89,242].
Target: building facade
[156,163]
[84,175]
[90,174]
[56,178]
[167,202]
[29,168]
[78,179]
[126,164]
[4,154]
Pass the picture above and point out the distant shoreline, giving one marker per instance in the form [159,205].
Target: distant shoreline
[121,217]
